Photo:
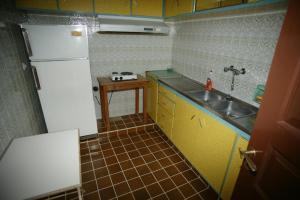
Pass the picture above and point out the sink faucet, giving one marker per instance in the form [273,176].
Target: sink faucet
[235,72]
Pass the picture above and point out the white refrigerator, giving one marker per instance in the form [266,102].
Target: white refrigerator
[61,68]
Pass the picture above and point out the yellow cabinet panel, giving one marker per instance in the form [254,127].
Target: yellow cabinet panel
[152,98]
[164,91]
[185,128]
[118,7]
[214,145]
[234,169]
[207,4]
[165,121]
[147,8]
[166,103]
[177,7]
[37,4]
[76,5]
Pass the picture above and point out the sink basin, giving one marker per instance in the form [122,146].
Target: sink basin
[233,109]
[206,96]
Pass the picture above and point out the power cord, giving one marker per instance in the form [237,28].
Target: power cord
[108,100]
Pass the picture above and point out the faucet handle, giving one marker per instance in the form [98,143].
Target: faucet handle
[243,71]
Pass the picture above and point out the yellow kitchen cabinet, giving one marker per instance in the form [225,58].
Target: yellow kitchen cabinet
[165,110]
[177,7]
[234,169]
[117,7]
[204,141]
[152,97]
[207,4]
[151,8]
[230,2]
[214,146]
[37,4]
[76,5]
[165,121]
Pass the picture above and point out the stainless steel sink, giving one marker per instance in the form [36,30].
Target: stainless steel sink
[183,84]
[206,96]
[233,109]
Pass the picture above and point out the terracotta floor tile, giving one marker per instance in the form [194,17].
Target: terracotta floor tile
[101,172]
[135,183]
[187,190]
[142,170]
[89,187]
[87,176]
[209,194]
[167,184]
[118,178]
[122,188]
[131,173]
[198,185]
[179,179]
[126,165]
[104,182]
[141,194]
[148,179]
[92,196]
[107,193]
[160,174]
[175,195]
[154,190]
[115,168]
[126,197]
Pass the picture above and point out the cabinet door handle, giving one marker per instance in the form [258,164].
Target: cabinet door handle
[36,78]
[200,123]
[193,117]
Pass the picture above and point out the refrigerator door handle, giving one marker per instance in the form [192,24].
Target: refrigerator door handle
[27,43]
[36,78]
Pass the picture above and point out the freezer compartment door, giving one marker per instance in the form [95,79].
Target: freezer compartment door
[66,95]
[56,42]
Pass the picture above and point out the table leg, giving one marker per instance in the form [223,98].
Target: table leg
[105,110]
[101,103]
[145,92]
[137,100]
[79,193]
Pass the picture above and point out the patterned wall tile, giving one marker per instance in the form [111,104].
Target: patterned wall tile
[201,45]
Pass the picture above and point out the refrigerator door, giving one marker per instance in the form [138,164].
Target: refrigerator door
[57,42]
[66,95]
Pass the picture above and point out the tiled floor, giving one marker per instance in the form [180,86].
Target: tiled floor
[136,163]
[127,121]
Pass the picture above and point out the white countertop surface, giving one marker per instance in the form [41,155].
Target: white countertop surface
[37,165]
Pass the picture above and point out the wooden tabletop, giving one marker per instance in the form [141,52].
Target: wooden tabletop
[122,85]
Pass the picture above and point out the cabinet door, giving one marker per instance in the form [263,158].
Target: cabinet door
[152,98]
[147,8]
[177,7]
[37,4]
[234,169]
[207,4]
[76,5]
[185,129]
[214,146]
[117,7]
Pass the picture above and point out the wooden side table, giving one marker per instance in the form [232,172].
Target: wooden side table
[107,85]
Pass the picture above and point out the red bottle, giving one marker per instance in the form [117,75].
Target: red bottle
[208,85]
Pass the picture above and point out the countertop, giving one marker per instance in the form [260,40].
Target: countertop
[170,79]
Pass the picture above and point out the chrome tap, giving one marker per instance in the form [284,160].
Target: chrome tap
[235,72]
